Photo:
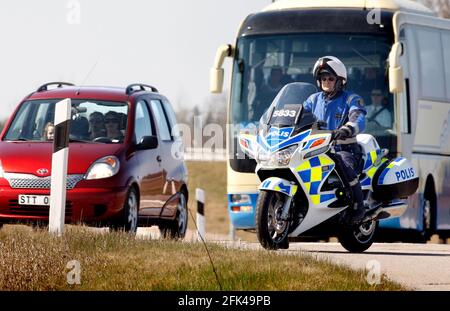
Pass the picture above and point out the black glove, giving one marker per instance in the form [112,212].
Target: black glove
[343,132]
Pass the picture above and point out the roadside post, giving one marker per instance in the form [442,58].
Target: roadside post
[59,167]
[200,196]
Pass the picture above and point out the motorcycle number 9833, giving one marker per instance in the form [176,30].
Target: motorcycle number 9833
[284,113]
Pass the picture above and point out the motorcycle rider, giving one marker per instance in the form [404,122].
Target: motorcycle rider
[344,113]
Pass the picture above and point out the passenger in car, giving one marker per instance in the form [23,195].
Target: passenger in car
[96,125]
[79,128]
[49,131]
[112,124]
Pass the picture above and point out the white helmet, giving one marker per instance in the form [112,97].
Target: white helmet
[330,64]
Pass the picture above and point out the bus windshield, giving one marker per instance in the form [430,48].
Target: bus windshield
[264,64]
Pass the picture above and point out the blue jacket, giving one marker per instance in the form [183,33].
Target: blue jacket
[345,109]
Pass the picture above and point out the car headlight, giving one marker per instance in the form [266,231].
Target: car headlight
[280,158]
[103,168]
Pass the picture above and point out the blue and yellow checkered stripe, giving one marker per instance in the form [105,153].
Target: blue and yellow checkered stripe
[312,173]
[370,173]
[371,158]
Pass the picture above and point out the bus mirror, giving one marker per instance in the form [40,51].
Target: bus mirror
[216,74]
[395,69]
[396,79]
[216,80]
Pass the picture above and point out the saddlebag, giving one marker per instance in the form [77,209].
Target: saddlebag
[395,179]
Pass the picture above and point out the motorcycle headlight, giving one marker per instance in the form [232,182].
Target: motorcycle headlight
[103,168]
[280,158]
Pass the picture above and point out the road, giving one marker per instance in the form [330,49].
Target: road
[416,266]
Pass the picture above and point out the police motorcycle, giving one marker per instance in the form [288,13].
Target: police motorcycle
[302,191]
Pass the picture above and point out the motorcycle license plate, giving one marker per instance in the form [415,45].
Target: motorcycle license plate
[31,199]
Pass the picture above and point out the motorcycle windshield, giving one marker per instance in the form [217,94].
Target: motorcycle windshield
[287,110]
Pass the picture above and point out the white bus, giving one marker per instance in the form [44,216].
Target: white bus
[396,51]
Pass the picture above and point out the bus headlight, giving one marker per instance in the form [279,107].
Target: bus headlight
[103,168]
[281,158]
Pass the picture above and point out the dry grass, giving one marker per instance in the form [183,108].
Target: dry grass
[36,260]
[211,177]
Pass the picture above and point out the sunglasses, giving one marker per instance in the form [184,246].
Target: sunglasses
[111,121]
[331,79]
[376,94]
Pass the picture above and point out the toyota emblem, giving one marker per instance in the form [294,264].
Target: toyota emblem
[42,171]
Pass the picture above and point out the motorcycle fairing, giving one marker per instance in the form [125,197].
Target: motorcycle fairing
[313,173]
[279,185]
[284,142]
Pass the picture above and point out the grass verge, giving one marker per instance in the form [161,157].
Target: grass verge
[35,260]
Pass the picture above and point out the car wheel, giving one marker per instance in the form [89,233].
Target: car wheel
[129,220]
[176,229]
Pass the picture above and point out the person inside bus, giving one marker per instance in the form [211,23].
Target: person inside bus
[378,114]
[267,92]
[273,85]
[96,125]
[344,113]
[49,131]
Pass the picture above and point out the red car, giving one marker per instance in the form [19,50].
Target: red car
[125,159]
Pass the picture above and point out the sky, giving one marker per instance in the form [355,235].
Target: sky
[170,44]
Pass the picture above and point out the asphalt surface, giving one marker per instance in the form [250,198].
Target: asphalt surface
[416,266]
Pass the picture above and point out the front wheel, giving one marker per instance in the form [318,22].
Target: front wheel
[128,221]
[357,239]
[176,229]
[271,230]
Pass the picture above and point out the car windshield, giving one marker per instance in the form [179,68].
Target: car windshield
[92,121]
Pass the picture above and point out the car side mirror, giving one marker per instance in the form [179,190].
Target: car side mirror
[148,142]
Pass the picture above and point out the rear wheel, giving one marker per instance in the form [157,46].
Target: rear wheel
[271,230]
[357,239]
[176,229]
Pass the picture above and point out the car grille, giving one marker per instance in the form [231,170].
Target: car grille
[34,210]
[28,181]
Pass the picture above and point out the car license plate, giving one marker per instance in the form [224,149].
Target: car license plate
[30,199]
